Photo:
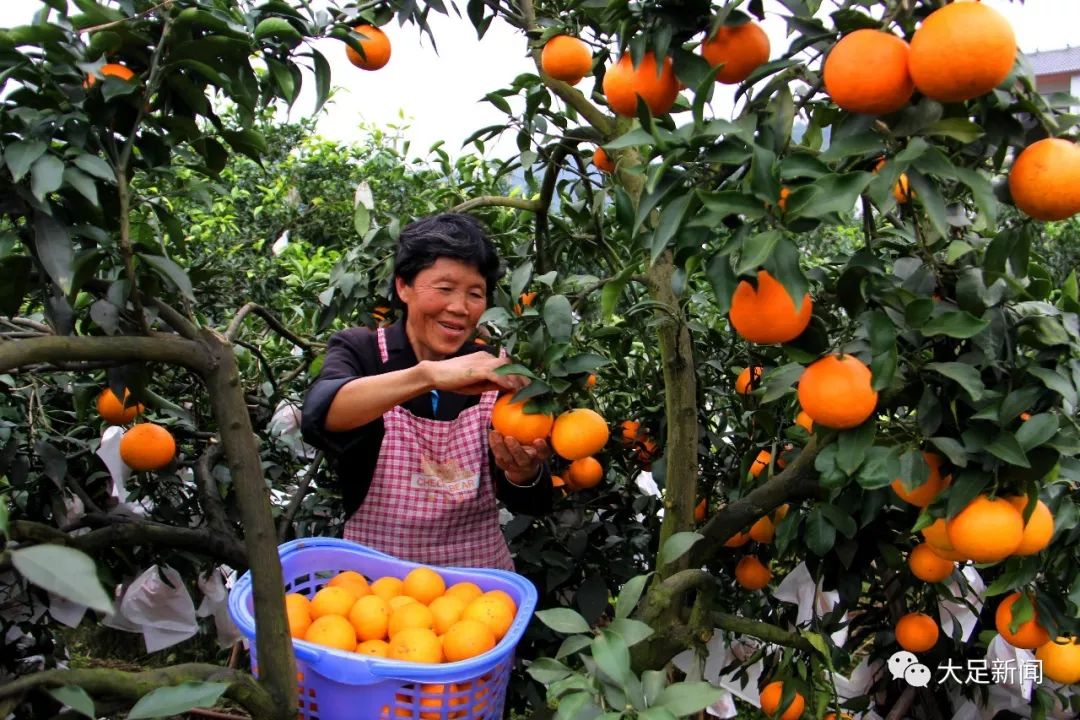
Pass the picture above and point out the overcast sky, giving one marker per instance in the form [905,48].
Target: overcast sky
[440,95]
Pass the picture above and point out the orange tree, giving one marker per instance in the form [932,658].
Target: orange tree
[931,349]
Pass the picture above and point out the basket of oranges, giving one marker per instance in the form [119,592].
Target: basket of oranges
[377,637]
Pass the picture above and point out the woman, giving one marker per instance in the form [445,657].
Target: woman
[405,411]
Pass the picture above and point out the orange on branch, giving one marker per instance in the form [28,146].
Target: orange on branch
[836,392]
[117,70]
[902,188]
[927,565]
[566,58]
[1045,180]
[924,494]
[699,511]
[584,473]
[867,72]
[752,574]
[739,48]
[603,161]
[376,47]
[763,530]
[113,411]
[624,84]
[147,447]
[579,433]
[1029,634]
[804,421]
[771,696]
[767,314]
[747,380]
[1061,660]
[1039,528]
[510,419]
[986,530]
[916,632]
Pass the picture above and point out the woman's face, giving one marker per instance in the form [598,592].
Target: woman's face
[445,302]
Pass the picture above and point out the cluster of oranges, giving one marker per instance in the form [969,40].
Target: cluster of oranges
[576,435]
[145,447]
[413,619]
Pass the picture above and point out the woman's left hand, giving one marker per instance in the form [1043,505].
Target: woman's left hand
[520,462]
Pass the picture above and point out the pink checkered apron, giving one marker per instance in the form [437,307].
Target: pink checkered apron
[432,497]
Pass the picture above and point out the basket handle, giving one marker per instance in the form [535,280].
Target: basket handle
[308,655]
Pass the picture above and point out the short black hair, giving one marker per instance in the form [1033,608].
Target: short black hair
[450,235]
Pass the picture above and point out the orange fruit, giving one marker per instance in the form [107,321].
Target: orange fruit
[503,597]
[410,615]
[298,613]
[1039,528]
[937,537]
[987,530]
[1061,660]
[332,601]
[374,648]
[867,72]
[591,380]
[770,702]
[961,51]
[511,420]
[419,645]
[699,511]
[624,84]
[579,433]
[603,161]
[387,587]
[466,591]
[370,617]
[1045,179]
[557,482]
[841,716]
[902,189]
[584,473]
[113,411]
[332,631]
[737,540]
[114,70]
[761,462]
[835,391]
[781,201]
[445,611]
[491,611]
[424,584]
[400,601]
[147,447]
[763,530]
[376,48]
[467,638]
[739,48]
[1029,634]
[924,494]
[751,574]
[748,380]
[566,58]
[352,581]
[767,315]
[527,298]
[927,565]
[631,431]
[916,632]
[804,421]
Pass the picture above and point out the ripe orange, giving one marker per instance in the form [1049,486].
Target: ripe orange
[511,420]
[761,462]
[467,638]
[298,613]
[1045,179]
[420,645]
[527,298]
[113,411]
[424,584]
[603,161]
[804,421]
[867,72]
[147,447]
[927,565]
[835,391]
[332,601]
[374,648]
[987,530]
[503,597]
[1029,634]
[491,611]
[110,69]
[739,48]
[466,591]
[770,702]
[937,537]
[584,473]
[1039,528]
[916,632]
[747,380]
[579,433]
[387,587]
[902,189]
[624,84]
[591,380]
[961,51]
[924,494]
[767,315]
[566,58]
[400,600]
[410,615]
[1061,660]
[376,48]
[699,511]
[332,631]
[751,574]
[737,540]
[445,611]
[370,617]
[352,581]
[631,431]
[763,530]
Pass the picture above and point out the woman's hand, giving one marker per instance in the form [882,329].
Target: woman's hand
[472,374]
[519,462]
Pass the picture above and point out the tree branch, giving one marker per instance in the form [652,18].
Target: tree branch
[498,201]
[234,327]
[209,493]
[156,348]
[298,497]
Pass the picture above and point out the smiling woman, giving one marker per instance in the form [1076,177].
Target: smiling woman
[405,411]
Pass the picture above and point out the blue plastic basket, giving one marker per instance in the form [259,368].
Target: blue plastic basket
[338,685]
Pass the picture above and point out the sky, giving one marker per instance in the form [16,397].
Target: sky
[440,96]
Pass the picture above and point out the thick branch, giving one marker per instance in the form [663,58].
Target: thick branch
[498,201]
[131,686]
[156,348]
[271,320]
[209,493]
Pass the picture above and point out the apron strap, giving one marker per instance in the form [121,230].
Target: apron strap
[382,345]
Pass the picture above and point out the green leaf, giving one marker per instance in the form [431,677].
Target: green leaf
[46,176]
[1055,381]
[723,281]
[322,79]
[963,374]
[1037,430]
[54,249]
[932,201]
[630,594]
[177,700]
[676,546]
[783,264]
[658,712]
[953,449]
[558,317]
[839,519]
[1006,447]
[279,29]
[879,469]
[883,354]
[867,142]
[563,620]
[75,698]
[93,165]
[820,535]
[546,671]
[778,382]
[573,644]
[763,182]
[612,658]
[731,202]
[171,271]
[21,154]
[957,324]
[756,249]
[831,194]
[361,219]
[612,290]
[249,142]
[82,183]
[960,129]
[853,444]
[671,218]
[631,631]
[63,571]
[637,136]
[688,698]
[914,470]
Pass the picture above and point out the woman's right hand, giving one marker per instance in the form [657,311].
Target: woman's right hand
[472,374]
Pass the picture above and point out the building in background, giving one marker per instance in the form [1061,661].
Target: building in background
[1056,71]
